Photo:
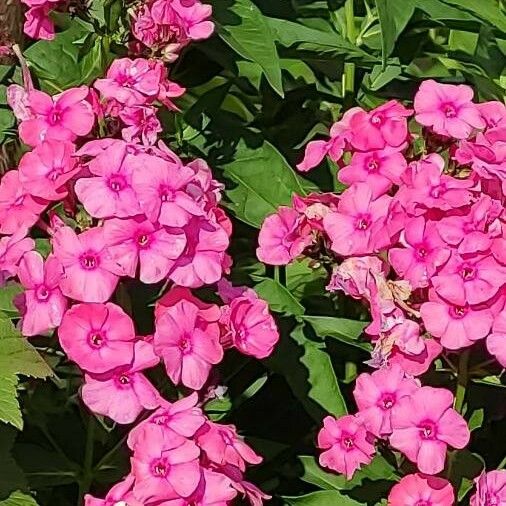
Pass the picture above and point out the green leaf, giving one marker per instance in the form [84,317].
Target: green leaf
[342,329]
[322,498]
[278,297]
[316,475]
[380,77]
[393,18]
[244,28]
[9,405]
[19,499]
[487,10]
[264,180]
[476,419]
[18,356]
[11,476]
[307,368]
[7,294]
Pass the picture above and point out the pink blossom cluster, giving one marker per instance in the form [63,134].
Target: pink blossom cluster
[419,421]
[129,207]
[164,27]
[181,458]
[38,23]
[419,234]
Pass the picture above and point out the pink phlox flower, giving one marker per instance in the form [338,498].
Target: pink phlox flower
[142,124]
[98,337]
[423,253]
[46,170]
[346,443]
[376,395]
[383,126]
[120,494]
[490,489]
[380,169]
[90,273]
[43,302]
[222,445]
[19,210]
[131,82]
[63,117]
[188,343]
[38,24]
[358,226]
[315,207]
[416,365]
[421,489]
[109,191]
[12,249]
[448,109]
[137,243]
[183,417]
[424,424]
[123,393]
[493,113]
[17,98]
[165,465]
[283,237]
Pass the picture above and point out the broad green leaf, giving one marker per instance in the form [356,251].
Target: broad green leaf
[307,368]
[380,77]
[243,27]
[476,419]
[264,181]
[393,18]
[302,280]
[342,329]
[487,10]
[19,499]
[7,294]
[9,405]
[7,119]
[278,297]
[322,498]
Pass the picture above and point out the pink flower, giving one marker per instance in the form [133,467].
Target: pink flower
[46,170]
[490,489]
[357,228]
[384,126]
[62,117]
[43,302]
[424,424]
[470,280]
[496,341]
[251,327]
[161,188]
[109,192]
[420,489]
[347,444]
[203,260]
[165,465]
[97,337]
[447,109]
[12,248]
[380,169]
[120,494]
[142,124]
[222,445]
[456,326]
[493,113]
[136,242]
[131,82]
[182,417]
[376,395]
[38,24]
[416,365]
[123,393]
[282,237]
[18,209]
[90,273]
[188,343]
[215,489]
[423,253]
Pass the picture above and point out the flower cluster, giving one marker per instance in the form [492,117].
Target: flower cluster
[181,458]
[164,27]
[419,236]
[130,207]
[38,22]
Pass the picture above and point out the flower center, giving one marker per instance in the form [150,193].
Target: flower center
[437,191]
[348,442]
[377,119]
[185,344]
[124,380]
[117,183]
[166,194]
[491,499]
[89,261]
[19,201]
[96,339]
[363,223]
[42,293]
[458,311]
[143,240]
[387,401]
[468,273]
[54,117]
[428,430]
[372,165]
[421,252]
[160,468]
[55,173]
[449,110]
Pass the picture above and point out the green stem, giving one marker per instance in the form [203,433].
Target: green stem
[349,67]
[462,380]
[87,474]
[281,275]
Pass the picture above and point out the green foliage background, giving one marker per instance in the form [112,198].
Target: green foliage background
[276,74]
